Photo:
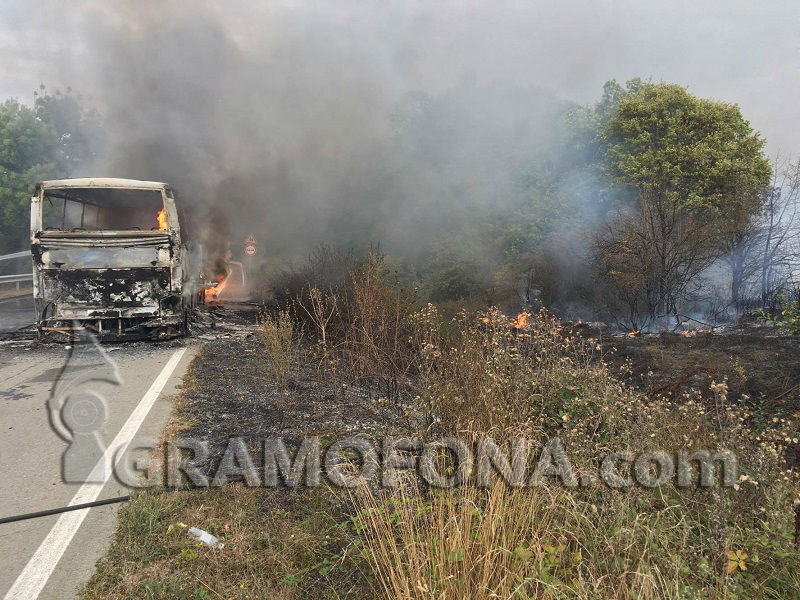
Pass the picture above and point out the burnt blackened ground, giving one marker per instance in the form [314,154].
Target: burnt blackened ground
[760,365]
[230,392]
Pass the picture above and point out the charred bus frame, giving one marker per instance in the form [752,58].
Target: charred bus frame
[107,256]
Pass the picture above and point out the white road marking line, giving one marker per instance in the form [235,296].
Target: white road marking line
[36,573]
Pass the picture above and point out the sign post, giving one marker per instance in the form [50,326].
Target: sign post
[250,245]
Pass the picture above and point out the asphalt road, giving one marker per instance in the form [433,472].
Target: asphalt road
[51,556]
[16,313]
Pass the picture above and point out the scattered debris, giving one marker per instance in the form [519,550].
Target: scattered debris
[204,537]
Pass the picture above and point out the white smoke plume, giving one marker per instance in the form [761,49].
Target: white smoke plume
[351,121]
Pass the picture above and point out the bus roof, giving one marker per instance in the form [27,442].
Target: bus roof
[101,182]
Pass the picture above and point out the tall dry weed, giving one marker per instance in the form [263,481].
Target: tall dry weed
[276,333]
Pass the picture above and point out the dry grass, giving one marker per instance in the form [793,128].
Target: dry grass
[277,546]
[512,543]
[480,374]
[277,333]
[551,542]
[593,542]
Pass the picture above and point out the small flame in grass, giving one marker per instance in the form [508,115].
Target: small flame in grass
[521,321]
[634,333]
[161,217]
[689,332]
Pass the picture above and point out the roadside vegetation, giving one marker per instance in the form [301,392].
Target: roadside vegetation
[648,209]
[621,277]
[276,333]
[470,374]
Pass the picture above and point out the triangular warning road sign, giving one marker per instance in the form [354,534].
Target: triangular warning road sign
[250,239]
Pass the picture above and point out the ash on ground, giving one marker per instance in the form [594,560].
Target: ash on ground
[230,391]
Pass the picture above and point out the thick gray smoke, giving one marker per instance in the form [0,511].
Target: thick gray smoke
[346,122]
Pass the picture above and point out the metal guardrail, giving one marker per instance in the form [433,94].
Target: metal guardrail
[15,255]
[16,278]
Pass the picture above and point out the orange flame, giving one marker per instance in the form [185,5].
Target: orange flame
[161,217]
[634,333]
[212,293]
[521,321]
[689,332]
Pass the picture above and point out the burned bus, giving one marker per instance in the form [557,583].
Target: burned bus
[107,256]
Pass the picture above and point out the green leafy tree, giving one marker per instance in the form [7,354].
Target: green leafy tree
[74,126]
[26,152]
[697,169]
[692,152]
[52,139]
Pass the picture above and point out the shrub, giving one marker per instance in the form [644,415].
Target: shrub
[326,268]
[787,319]
[276,332]
[378,319]
[362,316]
